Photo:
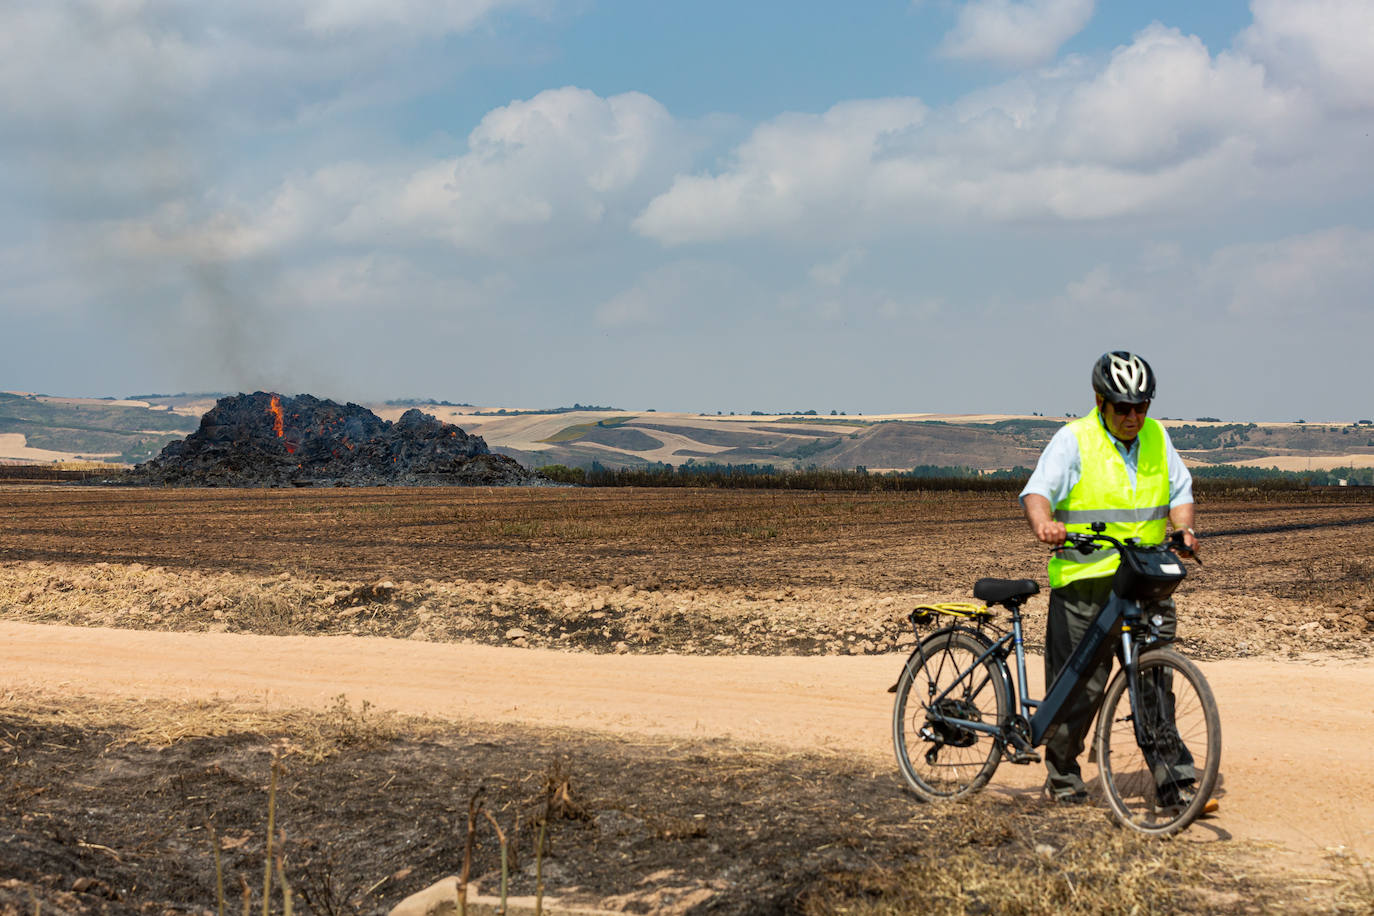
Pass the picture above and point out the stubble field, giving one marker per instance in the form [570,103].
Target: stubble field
[376,803]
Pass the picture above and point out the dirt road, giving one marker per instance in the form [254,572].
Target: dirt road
[1298,736]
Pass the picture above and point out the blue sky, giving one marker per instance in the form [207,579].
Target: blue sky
[929,206]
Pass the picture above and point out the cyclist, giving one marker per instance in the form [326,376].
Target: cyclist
[1115,465]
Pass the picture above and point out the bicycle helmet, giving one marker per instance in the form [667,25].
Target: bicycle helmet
[1123,378]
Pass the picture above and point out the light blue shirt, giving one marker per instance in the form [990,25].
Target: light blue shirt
[1060,467]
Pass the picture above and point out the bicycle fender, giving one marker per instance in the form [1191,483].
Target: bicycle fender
[979,635]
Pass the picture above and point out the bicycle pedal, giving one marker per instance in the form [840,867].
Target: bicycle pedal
[1015,755]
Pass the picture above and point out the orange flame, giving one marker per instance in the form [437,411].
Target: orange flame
[275,410]
[278,423]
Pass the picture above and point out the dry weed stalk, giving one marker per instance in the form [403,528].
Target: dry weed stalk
[286,899]
[505,862]
[271,825]
[539,865]
[467,854]
[219,865]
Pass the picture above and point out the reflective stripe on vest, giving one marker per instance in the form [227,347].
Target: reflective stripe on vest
[1088,516]
[1104,494]
[1074,555]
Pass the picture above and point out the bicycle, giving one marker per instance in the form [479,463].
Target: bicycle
[1158,739]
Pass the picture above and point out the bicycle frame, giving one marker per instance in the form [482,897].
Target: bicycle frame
[1090,652]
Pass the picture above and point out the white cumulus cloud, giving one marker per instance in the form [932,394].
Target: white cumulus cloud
[537,175]
[793,169]
[1322,46]
[1162,127]
[536,172]
[1017,34]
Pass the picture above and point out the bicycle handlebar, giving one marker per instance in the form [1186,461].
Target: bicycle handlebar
[1084,543]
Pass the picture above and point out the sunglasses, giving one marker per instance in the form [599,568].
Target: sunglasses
[1142,408]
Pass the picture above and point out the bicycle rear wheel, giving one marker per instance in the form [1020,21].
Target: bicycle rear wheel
[1159,782]
[938,759]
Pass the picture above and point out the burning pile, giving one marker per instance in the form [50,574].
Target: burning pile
[266,440]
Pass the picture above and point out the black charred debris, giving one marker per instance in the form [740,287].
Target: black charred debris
[271,440]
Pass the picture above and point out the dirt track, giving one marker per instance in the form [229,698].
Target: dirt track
[1296,765]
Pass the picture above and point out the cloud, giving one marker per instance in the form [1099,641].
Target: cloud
[1317,279]
[834,272]
[1318,45]
[95,62]
[1101,292]
[358,282]
[1163,128]
[118,103]
[537,172]
[903,310]
[409,15]
[795,168]
[688,293]
[1322,276]
[1015,34]
[538,175]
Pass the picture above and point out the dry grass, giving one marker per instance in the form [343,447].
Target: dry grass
[1096,871]
[661,821]
[312,735]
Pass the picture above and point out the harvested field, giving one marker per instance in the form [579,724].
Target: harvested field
[694,571]
[106,799]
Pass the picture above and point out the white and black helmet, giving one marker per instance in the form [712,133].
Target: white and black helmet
[1123,378]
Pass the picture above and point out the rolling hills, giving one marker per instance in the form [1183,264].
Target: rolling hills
[40,429]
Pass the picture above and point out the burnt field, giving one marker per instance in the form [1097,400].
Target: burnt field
[120,807]
[117,805]
[696,571]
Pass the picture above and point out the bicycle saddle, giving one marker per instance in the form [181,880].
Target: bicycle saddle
[997,591]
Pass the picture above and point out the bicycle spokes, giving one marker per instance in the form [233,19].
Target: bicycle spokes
[949,683]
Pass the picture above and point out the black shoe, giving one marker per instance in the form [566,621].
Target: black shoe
[1066,796]
[1175,797]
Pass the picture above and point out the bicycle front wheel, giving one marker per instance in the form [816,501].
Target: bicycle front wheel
[1159,761]
[942,683]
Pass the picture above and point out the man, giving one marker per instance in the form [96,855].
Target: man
[1115,465]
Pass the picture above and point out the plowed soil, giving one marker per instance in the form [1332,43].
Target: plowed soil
[689,794]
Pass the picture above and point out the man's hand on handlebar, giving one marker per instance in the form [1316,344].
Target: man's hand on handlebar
[1184,541]
[1050,532]
[1041,520]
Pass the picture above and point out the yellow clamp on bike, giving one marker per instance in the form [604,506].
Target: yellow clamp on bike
[965,610]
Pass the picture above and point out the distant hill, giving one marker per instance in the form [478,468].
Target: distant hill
[38,428]
[42,429]
[628,439]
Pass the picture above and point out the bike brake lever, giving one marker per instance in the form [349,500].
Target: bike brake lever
[1176,544]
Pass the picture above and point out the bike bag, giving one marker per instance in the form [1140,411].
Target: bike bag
[1147,574]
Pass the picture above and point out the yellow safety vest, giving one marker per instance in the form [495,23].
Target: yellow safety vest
[1104,494]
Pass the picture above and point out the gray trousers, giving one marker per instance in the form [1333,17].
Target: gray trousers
[1073,608]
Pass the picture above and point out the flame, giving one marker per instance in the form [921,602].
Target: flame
[278,423]
[277,419]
